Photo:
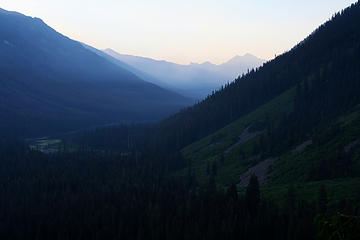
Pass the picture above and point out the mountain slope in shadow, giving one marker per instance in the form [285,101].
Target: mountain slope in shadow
[52,83]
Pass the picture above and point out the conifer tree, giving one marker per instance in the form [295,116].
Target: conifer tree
[252,195]
[322,200]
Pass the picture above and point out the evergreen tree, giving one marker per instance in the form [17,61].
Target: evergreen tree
[214,169]
[252,195]
[322,200]
[232,192]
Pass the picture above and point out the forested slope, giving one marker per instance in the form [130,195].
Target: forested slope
[325,67]
[308,135]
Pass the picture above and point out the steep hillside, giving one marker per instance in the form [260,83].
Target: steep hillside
[308,134]
[46,77]
[329,150]
[323,70]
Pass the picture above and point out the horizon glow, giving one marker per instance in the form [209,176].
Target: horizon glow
[184,31]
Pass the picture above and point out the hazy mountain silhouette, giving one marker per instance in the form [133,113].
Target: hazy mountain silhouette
[137,72]
[46,77]
[234,67]
[193,80]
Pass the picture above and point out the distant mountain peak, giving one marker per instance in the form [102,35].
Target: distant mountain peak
[249,55]
[109,50]
[207,63]
[196,79]
[245,58]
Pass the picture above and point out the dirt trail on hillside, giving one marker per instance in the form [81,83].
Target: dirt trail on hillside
[244,137]
[351,145]
[301,147]
[261,170]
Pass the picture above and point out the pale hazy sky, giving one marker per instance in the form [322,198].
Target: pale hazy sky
[184,31]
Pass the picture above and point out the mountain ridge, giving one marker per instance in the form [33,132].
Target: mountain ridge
[194,80]
[47,77]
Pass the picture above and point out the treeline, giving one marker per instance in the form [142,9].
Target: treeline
[87,195]
[120,138]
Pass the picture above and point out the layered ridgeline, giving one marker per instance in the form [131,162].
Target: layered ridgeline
[193,80]
[52,83]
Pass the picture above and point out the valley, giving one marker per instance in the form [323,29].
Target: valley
[96,144]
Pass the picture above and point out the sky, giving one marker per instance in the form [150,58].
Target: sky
[184,31]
